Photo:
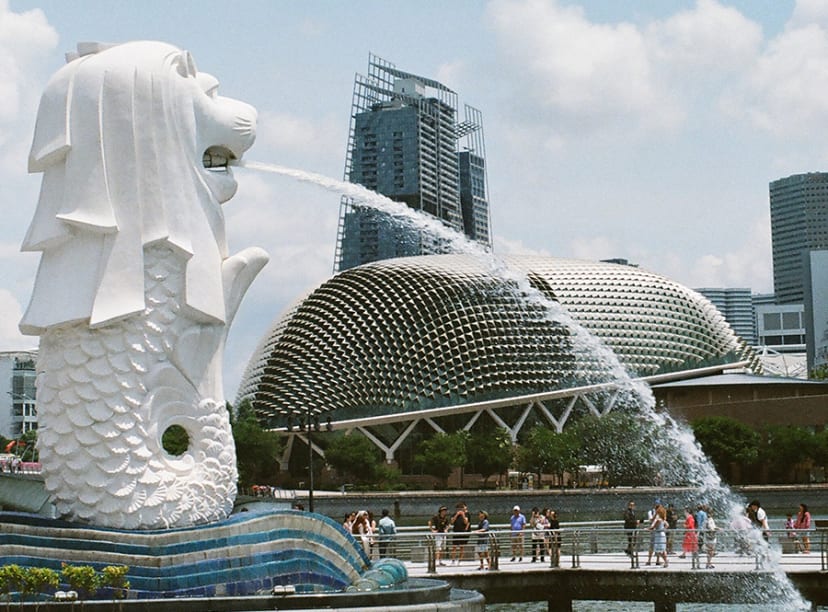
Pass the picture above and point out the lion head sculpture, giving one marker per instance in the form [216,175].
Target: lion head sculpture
[134,145]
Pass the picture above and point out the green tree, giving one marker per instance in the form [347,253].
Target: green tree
[820,448]
[629,447]
[725,440]
[38,579]
[819,373]
[546,451]
[81,578]
[12,578]
[175,440]
[257,450]
[489,452]
[440,454]
[354,457]
[783,447]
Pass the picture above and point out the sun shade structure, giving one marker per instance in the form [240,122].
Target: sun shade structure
[414,334]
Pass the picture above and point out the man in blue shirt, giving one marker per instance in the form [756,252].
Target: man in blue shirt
[518,523]
[701,519]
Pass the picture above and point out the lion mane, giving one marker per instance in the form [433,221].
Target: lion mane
[120,136]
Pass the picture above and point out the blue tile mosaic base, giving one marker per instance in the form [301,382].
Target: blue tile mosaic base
[246,553]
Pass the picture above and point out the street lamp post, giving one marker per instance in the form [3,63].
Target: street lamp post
[311,424]
[310,461]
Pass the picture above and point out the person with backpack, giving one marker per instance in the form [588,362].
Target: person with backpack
[387,530]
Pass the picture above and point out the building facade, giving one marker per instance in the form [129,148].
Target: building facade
[781,327]
[18,414]
[407,143]
[736,307]
[799,223]
[815,311]
[434,332]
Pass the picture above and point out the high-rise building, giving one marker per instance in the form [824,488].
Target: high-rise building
[736,307]
[18,409]
[799,224]
[816,309]
[406,143]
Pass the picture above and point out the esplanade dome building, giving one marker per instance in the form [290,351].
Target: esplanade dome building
[402,340]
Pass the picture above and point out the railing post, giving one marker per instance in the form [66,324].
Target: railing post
[823,554]
[555,549]
[431,551]
[494,552]
[634,560]
[576,549]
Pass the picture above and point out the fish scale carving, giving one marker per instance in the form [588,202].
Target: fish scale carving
[101,423]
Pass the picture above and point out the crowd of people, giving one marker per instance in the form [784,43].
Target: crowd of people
[458,538]
[699,530]
[376,537]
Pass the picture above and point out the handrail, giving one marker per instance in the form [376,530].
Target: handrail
[601,545]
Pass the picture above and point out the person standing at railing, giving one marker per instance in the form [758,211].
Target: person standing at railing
[701,517]
[361,530]
[672,523]
[554,537]
[460,526]
[690,543]
[387,530]
[740,525]
[710,540]
[482,545]
[517,522]
[630,526]
[658,527]
[539,524]
[652,514]
[802,524]
[759,517]
[439,524]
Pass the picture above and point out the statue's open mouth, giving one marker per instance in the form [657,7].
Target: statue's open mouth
[217,158]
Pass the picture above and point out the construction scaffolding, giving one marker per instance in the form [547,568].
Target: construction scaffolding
[413,157]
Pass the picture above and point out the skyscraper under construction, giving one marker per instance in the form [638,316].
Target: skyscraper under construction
[406,143]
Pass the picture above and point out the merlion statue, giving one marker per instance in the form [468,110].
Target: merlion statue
[135,290]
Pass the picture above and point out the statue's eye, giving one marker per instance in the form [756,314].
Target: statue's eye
[209,84]
[185,64]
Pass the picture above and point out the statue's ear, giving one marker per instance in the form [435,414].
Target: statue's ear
[52,137]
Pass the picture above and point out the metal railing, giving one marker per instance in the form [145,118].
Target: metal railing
[593,546]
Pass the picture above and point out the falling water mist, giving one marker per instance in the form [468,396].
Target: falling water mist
[675,454]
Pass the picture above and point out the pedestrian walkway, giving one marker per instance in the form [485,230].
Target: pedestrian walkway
[725,561]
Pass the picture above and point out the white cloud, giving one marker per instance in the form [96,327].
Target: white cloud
[507,246]
[595,248]
[576,72]
[783,93]
[809,12]
[286,132]
[746,263]
[451,72]
[25,38]
[709,39]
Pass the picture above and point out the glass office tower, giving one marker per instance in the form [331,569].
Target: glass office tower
[406,143]
[799,224]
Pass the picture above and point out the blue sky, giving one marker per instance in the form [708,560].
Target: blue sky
[645,130]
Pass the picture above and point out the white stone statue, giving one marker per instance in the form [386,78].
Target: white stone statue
[135,291]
